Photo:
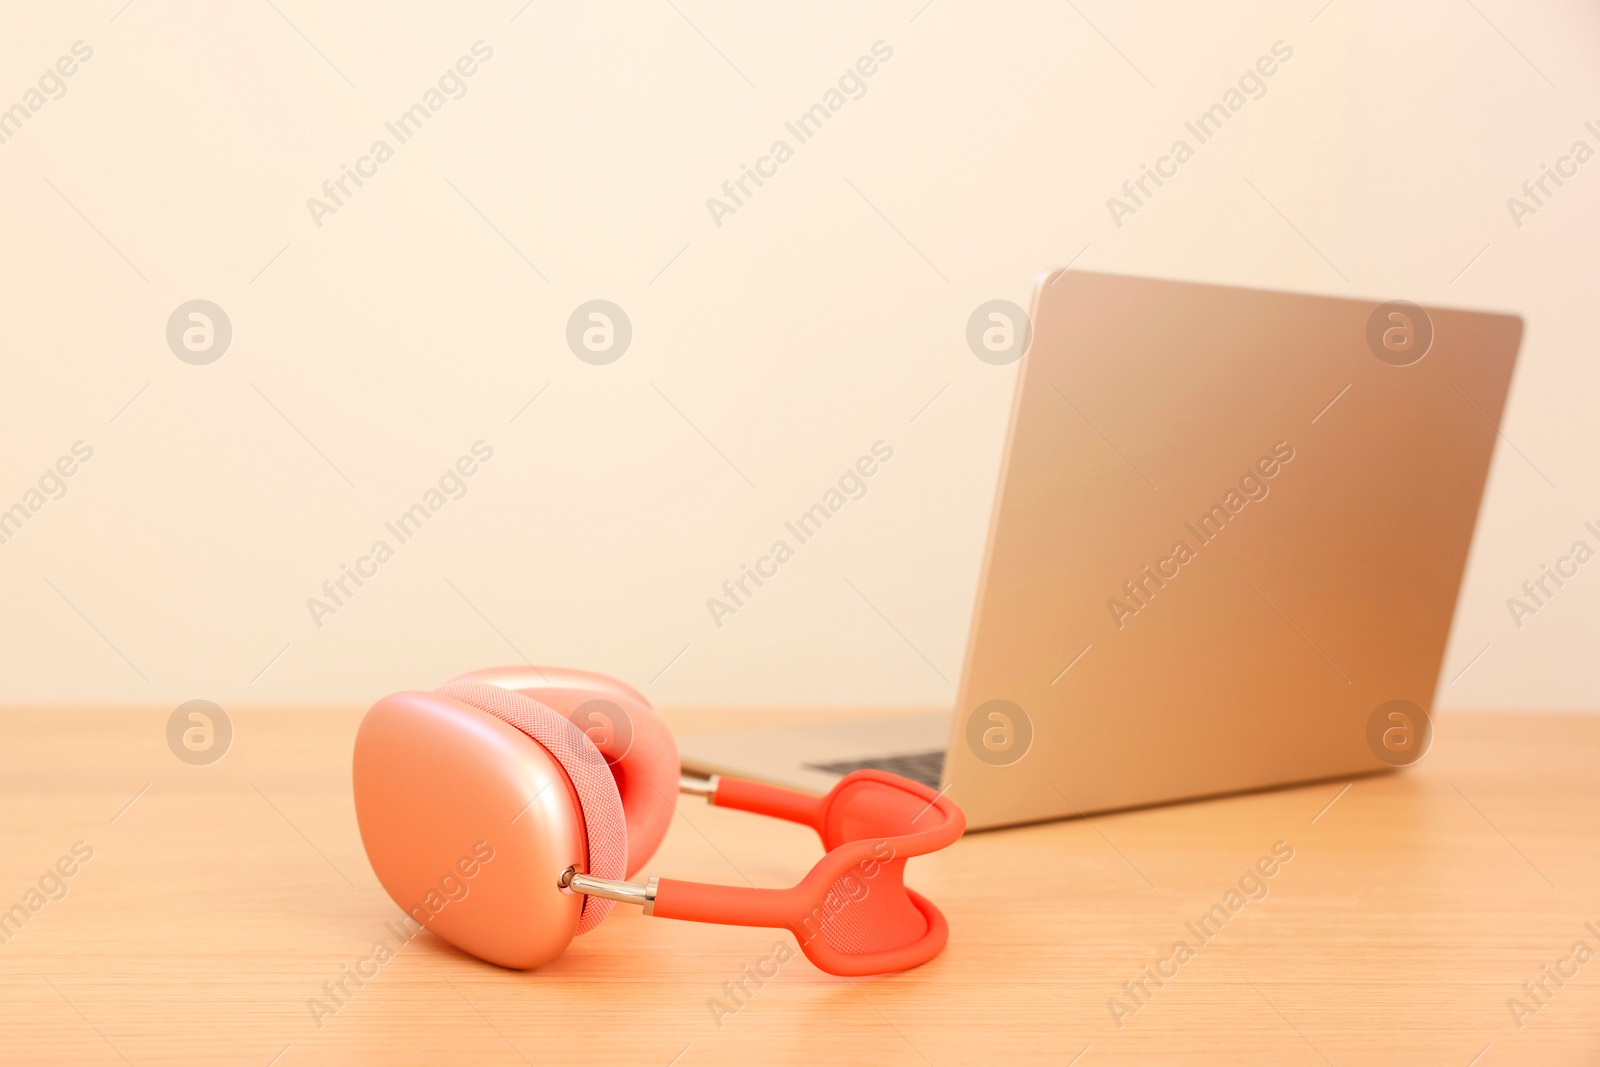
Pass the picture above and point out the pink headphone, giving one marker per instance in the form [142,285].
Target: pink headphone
[504,810]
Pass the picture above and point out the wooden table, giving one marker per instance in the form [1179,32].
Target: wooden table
[219,900]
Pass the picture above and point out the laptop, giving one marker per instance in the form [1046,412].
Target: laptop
[1226,546]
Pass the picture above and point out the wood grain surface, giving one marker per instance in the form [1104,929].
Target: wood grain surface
[219,899]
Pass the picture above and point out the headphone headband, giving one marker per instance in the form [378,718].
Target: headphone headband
[868,836]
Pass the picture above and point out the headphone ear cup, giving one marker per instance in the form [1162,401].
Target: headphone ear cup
[442,796]
[637,745]
[600,805]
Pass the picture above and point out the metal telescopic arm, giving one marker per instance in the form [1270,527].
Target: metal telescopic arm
[633,892]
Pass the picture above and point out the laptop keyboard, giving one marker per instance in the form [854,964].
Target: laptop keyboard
[924,767]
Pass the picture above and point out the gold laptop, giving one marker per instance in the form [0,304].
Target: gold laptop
[1226,545]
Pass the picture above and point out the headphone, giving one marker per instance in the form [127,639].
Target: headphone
[506,810]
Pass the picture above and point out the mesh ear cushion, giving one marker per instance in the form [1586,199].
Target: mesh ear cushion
[640,751]
[604,826]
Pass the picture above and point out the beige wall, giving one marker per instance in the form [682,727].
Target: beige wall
[773,351]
